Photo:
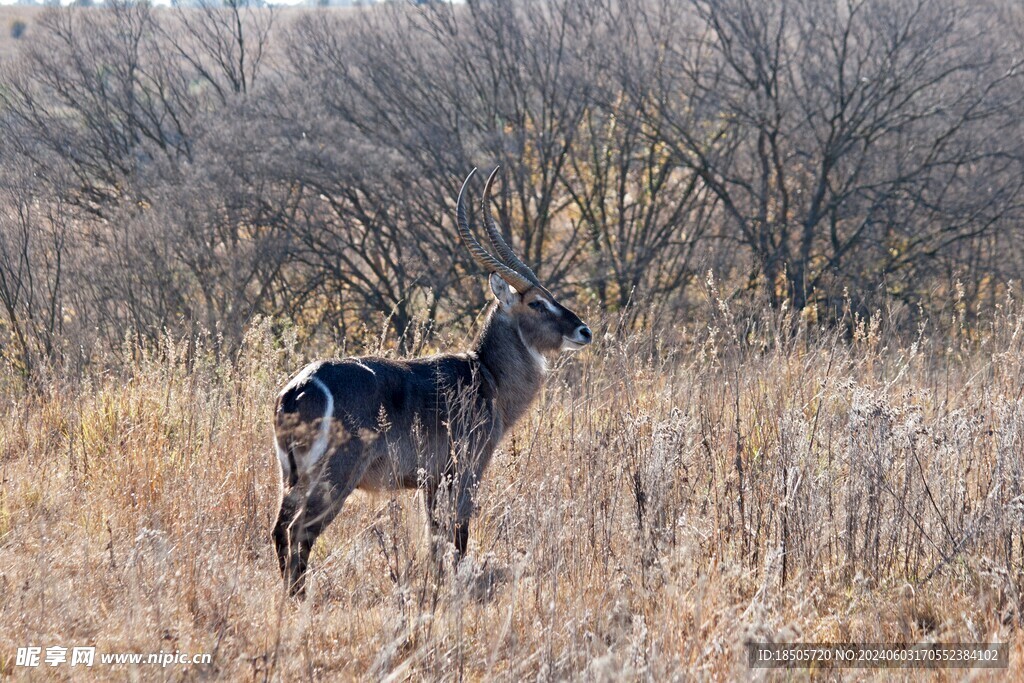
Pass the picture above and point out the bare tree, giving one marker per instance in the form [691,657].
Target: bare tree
[92,92]
[644,216]
[33,272]
[224,43]
[430,92]
[845,142]
[199,166]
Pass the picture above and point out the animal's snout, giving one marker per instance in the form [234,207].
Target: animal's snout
[583,335]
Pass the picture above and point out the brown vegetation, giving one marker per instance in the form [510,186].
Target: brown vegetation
[664,503]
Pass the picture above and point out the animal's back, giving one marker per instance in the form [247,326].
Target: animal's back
[408,404]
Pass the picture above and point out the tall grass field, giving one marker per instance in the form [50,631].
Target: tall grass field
[671,496]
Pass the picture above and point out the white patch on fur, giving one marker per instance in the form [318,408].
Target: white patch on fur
[550,306]
[319,447]
[282,455]
[364,366]
[300,378]
[570,345]
[538,359]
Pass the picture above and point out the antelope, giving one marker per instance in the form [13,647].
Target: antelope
[428,423]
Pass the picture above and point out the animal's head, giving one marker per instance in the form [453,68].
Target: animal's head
[545,324]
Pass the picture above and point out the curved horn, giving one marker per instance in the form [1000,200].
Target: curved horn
[480,254]
[499,243]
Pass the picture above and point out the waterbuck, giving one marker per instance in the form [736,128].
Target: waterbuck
[428,423]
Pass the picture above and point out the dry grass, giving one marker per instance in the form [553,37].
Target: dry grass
[661,504]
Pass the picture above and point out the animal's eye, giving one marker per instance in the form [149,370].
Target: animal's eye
[538,305]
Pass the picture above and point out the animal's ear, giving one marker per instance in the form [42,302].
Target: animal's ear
[503,292]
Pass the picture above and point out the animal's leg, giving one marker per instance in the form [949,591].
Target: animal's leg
[292,553]
[465,486]
[309,507]
[463,513]
[460,483]
[444,524]
[452,522]
[429,493]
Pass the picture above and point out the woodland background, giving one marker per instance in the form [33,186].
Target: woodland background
[193,168]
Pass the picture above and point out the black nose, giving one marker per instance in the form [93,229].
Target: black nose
[583,332]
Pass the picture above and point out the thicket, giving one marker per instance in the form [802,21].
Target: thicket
[168,169]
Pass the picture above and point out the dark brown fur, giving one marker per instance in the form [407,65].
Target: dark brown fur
[424,423]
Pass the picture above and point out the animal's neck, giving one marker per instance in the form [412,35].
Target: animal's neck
[518,370]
